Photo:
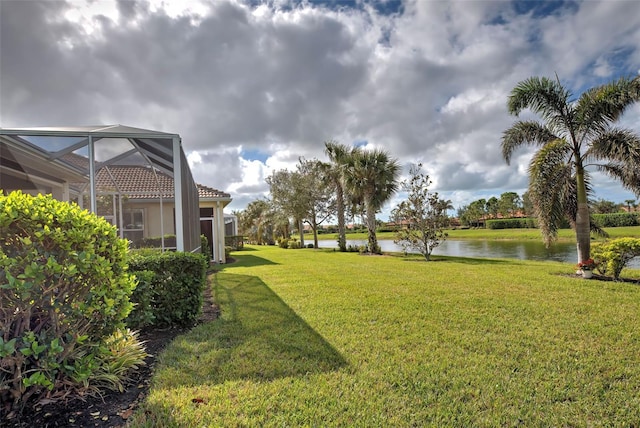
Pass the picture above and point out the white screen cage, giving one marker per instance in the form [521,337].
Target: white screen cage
[137,179]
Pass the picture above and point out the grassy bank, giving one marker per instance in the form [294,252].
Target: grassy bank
[320,338]
[565,235]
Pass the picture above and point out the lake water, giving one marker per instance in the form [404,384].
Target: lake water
[525,250]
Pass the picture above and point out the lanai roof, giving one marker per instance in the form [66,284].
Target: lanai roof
[69,154]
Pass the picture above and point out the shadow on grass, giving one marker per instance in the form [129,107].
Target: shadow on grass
[464,260]
[249,260]
[258,337]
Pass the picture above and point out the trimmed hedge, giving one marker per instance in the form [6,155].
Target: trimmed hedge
[172,296]
[156,242]
[512,223]
[615,219]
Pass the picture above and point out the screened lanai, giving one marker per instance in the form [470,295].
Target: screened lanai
[82,165]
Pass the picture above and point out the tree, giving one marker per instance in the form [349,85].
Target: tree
[573,134]
[602,206]
[509,204]
[492,207]
[371,176]
[256,222]
[476,212]
[317,182]
[631,203]
[289,194]
[423,213]
[335,171]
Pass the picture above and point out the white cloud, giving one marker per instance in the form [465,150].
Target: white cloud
[281,77]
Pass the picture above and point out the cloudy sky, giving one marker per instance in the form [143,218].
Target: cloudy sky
[253,85]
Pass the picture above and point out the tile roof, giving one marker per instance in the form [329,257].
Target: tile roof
[140,182]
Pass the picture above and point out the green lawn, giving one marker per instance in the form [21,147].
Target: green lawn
[490,234]
[321,338]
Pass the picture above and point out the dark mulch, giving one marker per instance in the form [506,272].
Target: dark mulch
[603,278]
[113,408]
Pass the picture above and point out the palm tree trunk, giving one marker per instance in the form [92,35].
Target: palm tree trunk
[583,226]
[342,239]
[371,228]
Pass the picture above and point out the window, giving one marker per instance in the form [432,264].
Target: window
[133,222]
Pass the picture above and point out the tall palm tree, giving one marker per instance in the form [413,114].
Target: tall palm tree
[372,176]
[574,134]
[630,203]
[338,155]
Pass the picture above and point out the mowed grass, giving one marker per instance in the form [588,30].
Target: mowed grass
[564,235]
[321,338]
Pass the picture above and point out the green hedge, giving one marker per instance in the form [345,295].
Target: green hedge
[156,242]
[236,242]
[205,247]
[615,219]
[64,290]
[173,294]
[512,223]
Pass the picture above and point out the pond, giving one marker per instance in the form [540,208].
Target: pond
[525,250]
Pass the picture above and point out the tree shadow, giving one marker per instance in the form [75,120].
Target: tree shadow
[454,259]
[249,260]
[258,337]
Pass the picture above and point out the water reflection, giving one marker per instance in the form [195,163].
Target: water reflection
[524,250]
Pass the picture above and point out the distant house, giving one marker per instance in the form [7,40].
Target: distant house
[137,179]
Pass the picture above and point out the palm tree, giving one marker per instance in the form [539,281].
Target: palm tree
[630,203]
[575,134]
[338,155]
[372,176]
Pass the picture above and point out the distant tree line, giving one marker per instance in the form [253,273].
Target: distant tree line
[512,205]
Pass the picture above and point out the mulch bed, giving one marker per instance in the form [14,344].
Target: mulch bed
[113,408]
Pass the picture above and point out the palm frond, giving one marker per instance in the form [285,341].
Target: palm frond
[542,95]
[618,145]
[548,170]
[599,107]
[373,175]
[627,174]
[524,133]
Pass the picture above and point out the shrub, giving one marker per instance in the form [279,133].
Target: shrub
[236,242]
[64,290]
[121,352]
[512,223]
[175,291]
[205,247]
[293,244]
[309,245]
[156,242]
[143,298]
[283,243]
[615,219]
[145,251]
[227,252]
[613,256]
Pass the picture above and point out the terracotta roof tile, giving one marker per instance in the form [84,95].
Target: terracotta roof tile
[140,182]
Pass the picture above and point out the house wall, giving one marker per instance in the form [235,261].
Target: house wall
[152,217]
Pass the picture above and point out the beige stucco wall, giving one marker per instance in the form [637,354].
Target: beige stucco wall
[152,217]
